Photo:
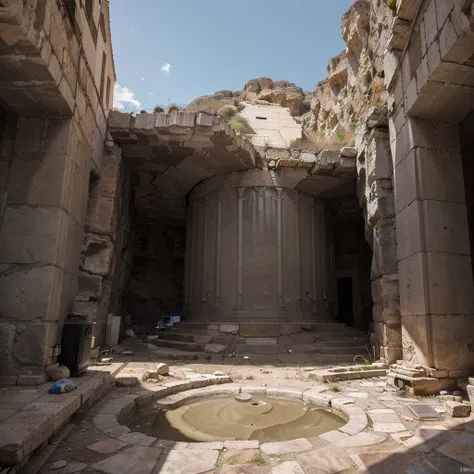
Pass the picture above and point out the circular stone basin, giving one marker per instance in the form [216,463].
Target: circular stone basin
[221,418]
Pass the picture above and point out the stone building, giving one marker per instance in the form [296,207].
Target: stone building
[163,214]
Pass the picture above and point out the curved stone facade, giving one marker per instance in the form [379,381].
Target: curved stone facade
[256,252]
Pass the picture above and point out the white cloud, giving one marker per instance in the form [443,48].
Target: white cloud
[166,68]
[124,98]
[151,93]
[142,78]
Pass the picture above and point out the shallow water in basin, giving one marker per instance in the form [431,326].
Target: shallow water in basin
[221,418]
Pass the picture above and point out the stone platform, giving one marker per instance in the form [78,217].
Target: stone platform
[382,436]
[332,339]
[30,416]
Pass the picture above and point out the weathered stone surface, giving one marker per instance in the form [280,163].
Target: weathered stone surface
[285,447]
[457,410]
[190,461]
[57,465]
[289,467]
[107,446]
[229,328]
[136,460]
[126,381]
[29,347]
[326,459]
[137,438]
[214,348]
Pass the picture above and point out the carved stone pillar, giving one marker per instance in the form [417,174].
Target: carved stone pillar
[255,252]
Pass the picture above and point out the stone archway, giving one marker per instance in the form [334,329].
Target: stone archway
[265,212]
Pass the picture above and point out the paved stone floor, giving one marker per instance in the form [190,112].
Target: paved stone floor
[393,441]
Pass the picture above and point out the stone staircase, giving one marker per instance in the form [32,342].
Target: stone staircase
[334,342]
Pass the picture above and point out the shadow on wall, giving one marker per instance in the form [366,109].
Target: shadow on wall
[156,283]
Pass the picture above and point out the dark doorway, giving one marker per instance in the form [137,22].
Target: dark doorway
[344,301]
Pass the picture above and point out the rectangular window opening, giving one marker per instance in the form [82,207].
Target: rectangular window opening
[261,118]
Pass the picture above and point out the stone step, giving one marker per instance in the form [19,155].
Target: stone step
[353,351]
[244,349]
[185,337]
[164,353]
[184,346]
[349,343]
[267,329]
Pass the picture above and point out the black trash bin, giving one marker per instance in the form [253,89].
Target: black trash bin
[76,346]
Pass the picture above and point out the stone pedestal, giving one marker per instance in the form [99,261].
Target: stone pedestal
[256,252]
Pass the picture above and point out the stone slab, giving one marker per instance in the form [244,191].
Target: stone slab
[244,469]
[135,460]
[262,341]
[107,446]
[254,444]
[457,410]
[389,427]
[460,449]
[285,447]
[259,330]
[74,467]
[137,438]
[190,461]
[327,460]
[289,467]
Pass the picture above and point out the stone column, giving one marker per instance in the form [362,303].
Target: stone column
[384,273]
[255,252]
[40,243]
[436,286]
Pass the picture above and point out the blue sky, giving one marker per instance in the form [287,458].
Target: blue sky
[176,50]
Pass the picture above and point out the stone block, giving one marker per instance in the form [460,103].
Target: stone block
[100,217]
[286,447]
[30,134]
[451,275]
[409,224]
[32,380]
[214,348]
[457,410]
[137,459]
[119,120]
[190,461]
[31,235]
[109,180]
[144,121]
[415,339]
[30,347]
[107,446]
[38,297]
[452,334]
[97,254]
[229,328]
[436,174]
[89,287]
[137,438]
[204,120]
[259,330]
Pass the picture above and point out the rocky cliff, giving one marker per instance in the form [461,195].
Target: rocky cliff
[355,81]
[282,93]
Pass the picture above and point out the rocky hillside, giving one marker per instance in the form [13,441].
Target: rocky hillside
[354,85]
[282,93]
[355,80]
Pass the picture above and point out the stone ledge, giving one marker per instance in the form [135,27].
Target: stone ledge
[24,431]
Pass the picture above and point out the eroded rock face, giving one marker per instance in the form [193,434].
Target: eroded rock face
[355,77]
[282,93]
